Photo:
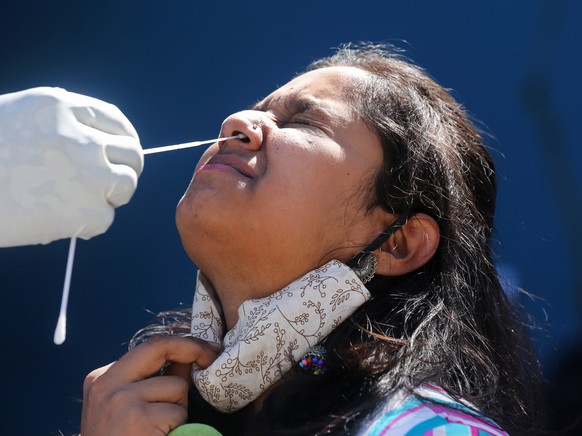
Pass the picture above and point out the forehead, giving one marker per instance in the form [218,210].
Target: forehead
[330,83]
[334,80]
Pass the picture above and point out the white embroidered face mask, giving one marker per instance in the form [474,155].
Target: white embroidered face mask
[272,333]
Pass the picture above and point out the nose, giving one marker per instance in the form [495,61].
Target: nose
[249,124]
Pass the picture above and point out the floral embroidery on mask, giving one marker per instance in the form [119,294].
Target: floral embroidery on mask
[272,333]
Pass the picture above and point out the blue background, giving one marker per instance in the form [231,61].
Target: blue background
[177,68]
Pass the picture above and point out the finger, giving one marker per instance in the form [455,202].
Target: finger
[124,184]
[125,409]
[147,358]
[101,116]
[90,385]
[182,370]
[96,222]
[115,162]
[123,150]
[167,389]
[165,416]
[95,374]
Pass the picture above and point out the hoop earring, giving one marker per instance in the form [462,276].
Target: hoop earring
[366,268]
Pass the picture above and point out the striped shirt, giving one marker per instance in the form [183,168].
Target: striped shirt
[408,415]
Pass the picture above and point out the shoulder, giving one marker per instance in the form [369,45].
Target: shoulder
[435,414]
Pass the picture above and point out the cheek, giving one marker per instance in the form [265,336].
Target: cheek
[310,200]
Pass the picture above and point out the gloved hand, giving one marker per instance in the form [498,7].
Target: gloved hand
[66,161]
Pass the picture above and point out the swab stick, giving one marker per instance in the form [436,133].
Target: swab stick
[61,328]
[189,144]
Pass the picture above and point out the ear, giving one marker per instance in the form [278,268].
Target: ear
[410,248]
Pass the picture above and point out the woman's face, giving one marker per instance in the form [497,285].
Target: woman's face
[292,196]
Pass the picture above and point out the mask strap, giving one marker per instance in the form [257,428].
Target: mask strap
[382,237]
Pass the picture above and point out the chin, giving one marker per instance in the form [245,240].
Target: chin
[202,224]
[181,216]
[188,222]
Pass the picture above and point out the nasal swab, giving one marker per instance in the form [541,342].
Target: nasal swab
[61,328]
[189,144]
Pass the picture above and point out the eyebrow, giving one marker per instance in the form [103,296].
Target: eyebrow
[293,106]
[299,105]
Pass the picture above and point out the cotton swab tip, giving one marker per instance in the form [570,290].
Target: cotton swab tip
[61,330]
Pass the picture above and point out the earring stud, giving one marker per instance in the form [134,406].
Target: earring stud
[314,361]
[366,268]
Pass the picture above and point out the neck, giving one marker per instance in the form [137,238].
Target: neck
[273,332]
[234,287]
[236,280]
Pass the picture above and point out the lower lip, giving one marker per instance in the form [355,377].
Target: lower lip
[222,168]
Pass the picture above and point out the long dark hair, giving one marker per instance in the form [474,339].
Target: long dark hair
[449,323]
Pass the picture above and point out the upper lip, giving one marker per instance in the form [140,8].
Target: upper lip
[236,162]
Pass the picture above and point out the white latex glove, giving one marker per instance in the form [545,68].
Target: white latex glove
[66,161]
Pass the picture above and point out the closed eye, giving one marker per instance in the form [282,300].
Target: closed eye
[300,121]
[312,125]
[301,112]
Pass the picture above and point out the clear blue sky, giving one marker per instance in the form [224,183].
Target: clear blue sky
[178,68]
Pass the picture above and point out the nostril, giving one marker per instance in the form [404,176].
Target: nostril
[244,138]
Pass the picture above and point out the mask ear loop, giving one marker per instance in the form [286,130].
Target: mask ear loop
[376,243]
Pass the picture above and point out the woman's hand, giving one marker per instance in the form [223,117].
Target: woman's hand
[123,399]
